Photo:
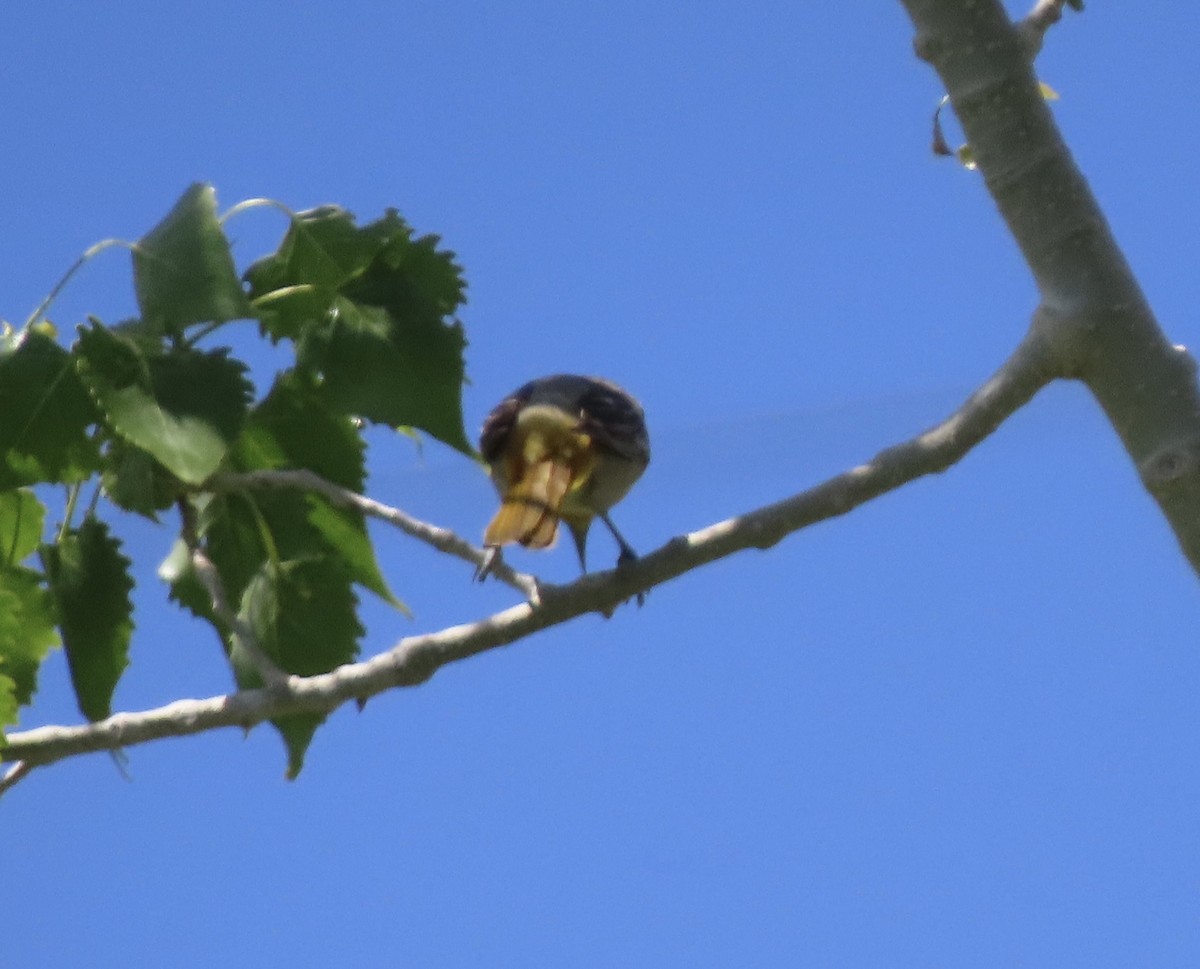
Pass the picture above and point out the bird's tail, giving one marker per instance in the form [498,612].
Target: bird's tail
[530,508]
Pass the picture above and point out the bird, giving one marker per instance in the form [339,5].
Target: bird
[563,448]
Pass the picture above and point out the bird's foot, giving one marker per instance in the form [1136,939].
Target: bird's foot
[627,557]
[491,559]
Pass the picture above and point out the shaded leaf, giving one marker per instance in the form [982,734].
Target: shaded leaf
[146,335]
[136,482]
[381,368]
[21,519]
[237,539]
[46,413]
[183,270]
[297,730]
[186,588]
[303,614]
[184,408]
[292,428]
[27,634]
[90,583]
[345,533]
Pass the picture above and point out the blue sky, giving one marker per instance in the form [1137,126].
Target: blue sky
[957,727]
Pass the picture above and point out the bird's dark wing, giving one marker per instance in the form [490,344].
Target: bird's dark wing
[498,425]
[615,421]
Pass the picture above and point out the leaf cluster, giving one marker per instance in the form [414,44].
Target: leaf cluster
[143,414]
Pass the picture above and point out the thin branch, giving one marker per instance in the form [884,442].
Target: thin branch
[240,633]
[88,255]
[441,539]
[14,775]
[416,658]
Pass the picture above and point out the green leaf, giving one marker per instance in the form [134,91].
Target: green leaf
[246,532]
[411,277]
[323,249]
[45,413]
[184,408]
[27,634]
[392,371]
[183,270]
[297,730]
[187,589]
[303,615]
[90,583]
[292,428]
[21,518]
[239,539]
[8,704]
[372,311]
[136,482]
[344,532]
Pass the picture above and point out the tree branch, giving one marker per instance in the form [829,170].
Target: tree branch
[441,539]
[14,775]
[240,633]
[1093,314]
[416,658]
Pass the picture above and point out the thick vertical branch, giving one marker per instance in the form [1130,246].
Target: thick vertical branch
[1093,312]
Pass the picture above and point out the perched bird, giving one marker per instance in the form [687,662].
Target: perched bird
[562,448]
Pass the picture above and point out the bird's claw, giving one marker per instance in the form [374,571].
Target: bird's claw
[627,557]
[487,565]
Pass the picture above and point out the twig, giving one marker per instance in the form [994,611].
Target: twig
[439,538]
[239,630]
[1044,15]
[14,775]
[88,255]
[416,658]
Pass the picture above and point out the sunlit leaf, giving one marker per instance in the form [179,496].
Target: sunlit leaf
[27,634]
[21,518]
[185,408]
[8,703]
[371,310]
[183,270]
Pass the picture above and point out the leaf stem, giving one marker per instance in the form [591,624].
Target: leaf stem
[88,254]
[247,204]
[69,511]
